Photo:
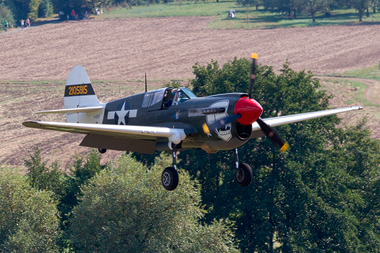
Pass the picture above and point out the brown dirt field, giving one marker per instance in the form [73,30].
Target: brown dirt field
[164,48]
[346,93]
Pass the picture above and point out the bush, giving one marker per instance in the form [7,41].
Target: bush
[126,209]
[28,217]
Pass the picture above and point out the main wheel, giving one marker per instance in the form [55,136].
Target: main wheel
[243,174]
[169,178]
[102,150]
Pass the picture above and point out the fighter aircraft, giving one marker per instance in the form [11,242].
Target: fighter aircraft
[170,119]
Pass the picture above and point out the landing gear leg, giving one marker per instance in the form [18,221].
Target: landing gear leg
[169,177]
[236,158]
[243,172]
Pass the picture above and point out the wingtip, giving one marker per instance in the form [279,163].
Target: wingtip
[356,107]
[29,123]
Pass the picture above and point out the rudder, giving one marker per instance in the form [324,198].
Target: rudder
[78,94]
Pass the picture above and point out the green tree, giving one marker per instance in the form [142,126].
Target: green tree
[255,3]
[33,9]
[41,177]
[66,186]
[45,9]
[23,9]
[361,156]
[6,14]
[299,201]
[314,6]
[82,170]
[360,6]
[28,217]
[126,209]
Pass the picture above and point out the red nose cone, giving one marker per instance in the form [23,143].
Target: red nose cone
[249,109]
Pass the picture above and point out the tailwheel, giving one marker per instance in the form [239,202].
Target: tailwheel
[243,174]
[169,178]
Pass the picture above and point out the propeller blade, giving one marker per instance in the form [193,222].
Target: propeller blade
[253,73]
[272,135]
[220,123]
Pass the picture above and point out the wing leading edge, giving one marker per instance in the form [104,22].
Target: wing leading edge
[174,135]
[282,120]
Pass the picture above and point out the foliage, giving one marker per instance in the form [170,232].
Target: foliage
[28,217]
[250,13]
[306,199]
[322,195]
[360,6]
[33,9]
[23,9]
[45,9]
[66,186]
[314,6]
[126,209]
[6,14]
[41,177]
[79,174]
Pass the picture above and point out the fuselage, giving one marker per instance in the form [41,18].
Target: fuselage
[179,108]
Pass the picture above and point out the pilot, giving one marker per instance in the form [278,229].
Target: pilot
[168,98]
[176,93]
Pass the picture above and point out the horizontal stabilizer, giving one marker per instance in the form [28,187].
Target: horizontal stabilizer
[73,110]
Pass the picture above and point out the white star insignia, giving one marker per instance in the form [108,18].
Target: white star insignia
[121,114]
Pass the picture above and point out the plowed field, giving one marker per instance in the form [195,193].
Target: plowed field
[164,48]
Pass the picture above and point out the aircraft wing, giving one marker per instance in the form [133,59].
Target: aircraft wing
[174,135]
[282,120]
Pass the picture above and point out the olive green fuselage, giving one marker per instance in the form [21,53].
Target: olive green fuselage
[190,114]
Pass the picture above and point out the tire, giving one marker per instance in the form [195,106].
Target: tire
[102,150]
[243,174]
[169,178]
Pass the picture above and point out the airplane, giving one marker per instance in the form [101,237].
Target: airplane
[170,119]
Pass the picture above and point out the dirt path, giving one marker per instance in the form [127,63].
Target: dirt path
[345,94]
[372,92]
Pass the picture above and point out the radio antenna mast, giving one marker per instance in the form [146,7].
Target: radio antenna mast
[146,85]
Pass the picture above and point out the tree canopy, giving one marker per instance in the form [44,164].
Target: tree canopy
[126,209]
[28,217]
[306,199]
[322,195]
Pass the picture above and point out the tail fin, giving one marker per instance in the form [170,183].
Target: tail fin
[79,94]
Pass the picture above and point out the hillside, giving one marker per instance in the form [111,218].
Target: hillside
[164,48]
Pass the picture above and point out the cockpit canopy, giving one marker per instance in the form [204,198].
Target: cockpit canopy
[165,97]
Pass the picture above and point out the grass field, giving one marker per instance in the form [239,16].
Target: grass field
[246,18]
[372,72]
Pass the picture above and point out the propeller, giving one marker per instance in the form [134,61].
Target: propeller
[247,111]
[272,135]
[268,130]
